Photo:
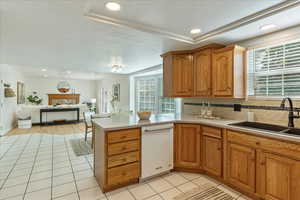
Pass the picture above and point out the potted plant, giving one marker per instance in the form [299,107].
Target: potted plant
[34,99]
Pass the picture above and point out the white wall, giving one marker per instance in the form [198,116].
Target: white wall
[10,75]
[107,83]
[44,86]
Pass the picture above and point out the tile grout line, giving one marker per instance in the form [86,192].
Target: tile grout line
[66,145]
[52,142]
[14,165]
[33,166]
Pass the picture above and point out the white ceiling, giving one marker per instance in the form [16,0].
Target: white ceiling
[56,34]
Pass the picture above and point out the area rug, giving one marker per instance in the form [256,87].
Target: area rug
[205,192]
[80,147]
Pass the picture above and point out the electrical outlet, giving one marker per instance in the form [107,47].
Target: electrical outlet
[237,107]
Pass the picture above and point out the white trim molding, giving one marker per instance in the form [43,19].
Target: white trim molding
[285,5]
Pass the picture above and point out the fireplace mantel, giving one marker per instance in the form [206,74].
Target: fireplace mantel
[63,99]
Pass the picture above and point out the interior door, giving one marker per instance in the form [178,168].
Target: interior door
[223,73]
[183,75]
[202,73]
[241,166]
[280,177]
[188,146]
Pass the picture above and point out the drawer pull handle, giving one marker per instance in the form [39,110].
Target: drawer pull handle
[157,168]
[124,174]
[123,137]
[262,163]
[257,143]
[124,148]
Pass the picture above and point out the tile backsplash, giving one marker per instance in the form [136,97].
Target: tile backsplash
[264,110]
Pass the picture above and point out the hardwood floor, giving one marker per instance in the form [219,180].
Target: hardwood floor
[53,129]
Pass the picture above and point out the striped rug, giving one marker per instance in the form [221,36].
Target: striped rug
[205,192]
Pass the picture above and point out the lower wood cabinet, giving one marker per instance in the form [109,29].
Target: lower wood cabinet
[241,166]
[212,155]
[117,157]
[212,150]
[187,146]
[279,177]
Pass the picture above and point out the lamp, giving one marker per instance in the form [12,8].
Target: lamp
[116,68]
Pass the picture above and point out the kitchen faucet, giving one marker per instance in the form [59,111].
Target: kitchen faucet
[291,111]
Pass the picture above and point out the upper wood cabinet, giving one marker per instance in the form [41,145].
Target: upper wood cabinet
[228,72]
[177,76]
[202,73]
[209,71]
[187,146]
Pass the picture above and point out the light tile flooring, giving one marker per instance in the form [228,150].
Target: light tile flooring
[44,167]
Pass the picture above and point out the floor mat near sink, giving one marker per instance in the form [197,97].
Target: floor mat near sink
[207,192]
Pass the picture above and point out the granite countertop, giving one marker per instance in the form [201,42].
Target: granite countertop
[124,121]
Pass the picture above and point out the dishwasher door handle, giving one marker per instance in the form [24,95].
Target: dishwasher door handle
[157,130]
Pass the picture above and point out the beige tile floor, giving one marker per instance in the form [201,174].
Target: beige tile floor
[43,167]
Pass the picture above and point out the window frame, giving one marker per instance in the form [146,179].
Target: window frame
[248,68]
[157,92]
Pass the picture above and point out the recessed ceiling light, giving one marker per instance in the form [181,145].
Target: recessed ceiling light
[113,6]
[43,70]
[45,75]
[195,31]
[267,27]
[69,72]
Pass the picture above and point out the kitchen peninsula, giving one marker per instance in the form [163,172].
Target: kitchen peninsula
[233,155]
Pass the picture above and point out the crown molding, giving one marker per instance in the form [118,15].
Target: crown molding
[285,5]
[137,26]
[248,20]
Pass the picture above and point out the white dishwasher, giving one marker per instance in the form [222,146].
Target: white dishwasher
[157,149]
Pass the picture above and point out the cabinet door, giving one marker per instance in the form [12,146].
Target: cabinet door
[187,146]
[241,166]
[183,75]
[223,73]
[280,177]
[202,73]
[212,155]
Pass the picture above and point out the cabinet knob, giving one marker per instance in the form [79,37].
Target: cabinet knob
[262,163]
[257,143]
[123,137]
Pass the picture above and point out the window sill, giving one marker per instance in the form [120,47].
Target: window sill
[269,98]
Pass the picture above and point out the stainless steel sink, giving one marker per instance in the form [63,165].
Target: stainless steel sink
[269,127]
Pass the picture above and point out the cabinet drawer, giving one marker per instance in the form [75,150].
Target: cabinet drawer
[211,131]
[123,159]
[281,147]
[123,135]
[123,147]
[118,175]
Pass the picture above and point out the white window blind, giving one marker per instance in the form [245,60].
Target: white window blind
[274,71]
[149,96]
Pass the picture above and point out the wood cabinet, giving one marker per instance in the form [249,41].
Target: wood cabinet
[280,177]
[241,166]
[202,73]
[212,150]
[178,73]
[117,157]
[209,71]
[187,146]
[228,72]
